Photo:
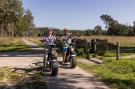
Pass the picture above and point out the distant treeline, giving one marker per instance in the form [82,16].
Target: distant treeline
[113,27]
[58,32]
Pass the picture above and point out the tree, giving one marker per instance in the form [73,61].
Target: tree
[133,32]
[110,23]
[98,30]
[108,20]
[113,27]
[27,23]
[14,20]
[122,30]
[9,14]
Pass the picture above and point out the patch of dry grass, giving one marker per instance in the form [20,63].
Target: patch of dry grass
[126,41]
[9,77]
[12,79]
[12,44]
[35,40]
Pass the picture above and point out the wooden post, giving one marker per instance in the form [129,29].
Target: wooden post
[106,45]
[89,45]
[44,59]
[118,51]
[88,49]
[95,47]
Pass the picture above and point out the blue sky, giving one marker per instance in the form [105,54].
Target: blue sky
[79,14]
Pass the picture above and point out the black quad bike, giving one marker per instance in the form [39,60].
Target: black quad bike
[71,55]
[50,59]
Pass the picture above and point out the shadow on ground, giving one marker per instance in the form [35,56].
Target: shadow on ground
[73,80]
[33,79]
[35,52]
[65,83]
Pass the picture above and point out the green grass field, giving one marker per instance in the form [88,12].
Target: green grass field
[117,74]
[12,44]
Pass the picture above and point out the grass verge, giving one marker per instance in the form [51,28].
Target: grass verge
[12,44]
[117,74]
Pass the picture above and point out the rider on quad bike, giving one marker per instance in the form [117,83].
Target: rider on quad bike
[66,39]
[49,38]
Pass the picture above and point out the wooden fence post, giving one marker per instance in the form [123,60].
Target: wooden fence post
[88,49]
[118,51]
[106,45]
[89,45]
[95,47]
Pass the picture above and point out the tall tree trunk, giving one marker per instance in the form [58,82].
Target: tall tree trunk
[12,33]
[2,28]
[9,30]
[13,29]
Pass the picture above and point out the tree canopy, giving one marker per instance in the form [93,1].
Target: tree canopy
[14,20]
[115,28]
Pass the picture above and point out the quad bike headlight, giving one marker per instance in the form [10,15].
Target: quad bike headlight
[72,49]
[54,53]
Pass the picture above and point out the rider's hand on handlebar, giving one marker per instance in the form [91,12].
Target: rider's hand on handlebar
[41,40]
[60,39]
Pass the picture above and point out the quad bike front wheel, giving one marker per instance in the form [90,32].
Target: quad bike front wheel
[54,68]
[73,62]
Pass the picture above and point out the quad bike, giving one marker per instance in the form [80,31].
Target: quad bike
[71,55]
[50,59]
